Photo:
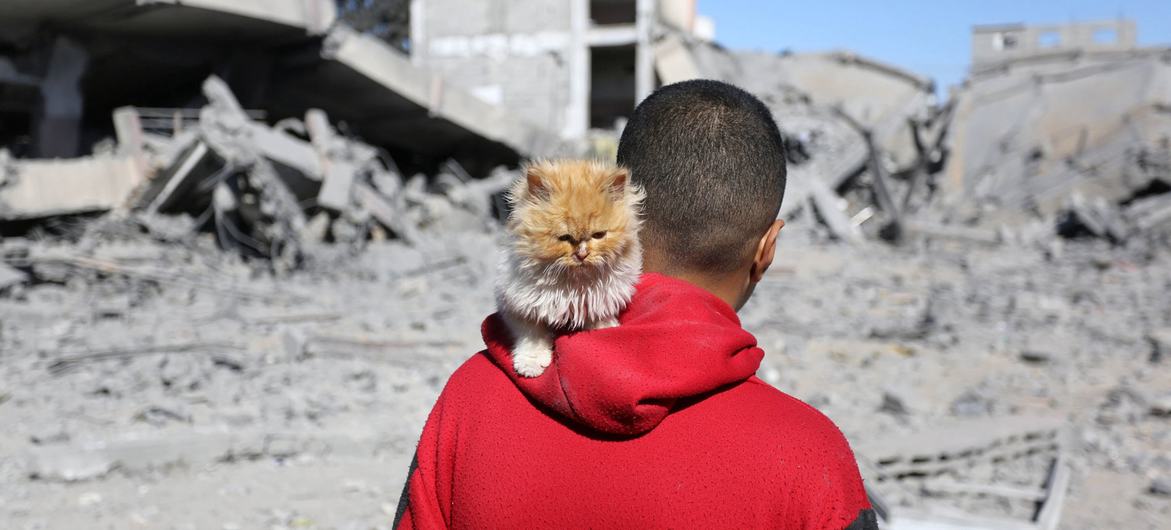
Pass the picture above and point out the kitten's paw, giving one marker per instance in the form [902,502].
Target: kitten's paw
[531,362]
[611,322]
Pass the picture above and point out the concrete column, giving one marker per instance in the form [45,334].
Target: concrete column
[644,58]
[418,32]
[59,123]
[577,112]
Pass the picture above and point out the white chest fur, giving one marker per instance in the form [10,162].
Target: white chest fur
[567,298]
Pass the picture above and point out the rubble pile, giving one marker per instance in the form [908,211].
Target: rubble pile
[171,378]
[130,367]
[908,351]
[274,191]
[864,137]
[1027,154]
[1012,157]
[271,192]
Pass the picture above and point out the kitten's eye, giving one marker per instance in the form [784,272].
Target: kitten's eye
[565,237]
[599,235]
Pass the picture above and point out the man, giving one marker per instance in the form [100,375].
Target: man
[659,422]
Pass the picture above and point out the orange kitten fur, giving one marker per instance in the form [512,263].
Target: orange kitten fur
[573,255]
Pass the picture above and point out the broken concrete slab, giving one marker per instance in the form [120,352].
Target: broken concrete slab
[1160,486]
[208,19]
[336,188]
[1161,406]
[43,188]
[923,480]
[379,92]
[10,276]
[831,209]
[1149,213]
[196,170]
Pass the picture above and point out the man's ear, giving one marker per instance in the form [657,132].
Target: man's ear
[766,250]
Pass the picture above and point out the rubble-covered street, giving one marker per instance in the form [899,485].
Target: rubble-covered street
[166,385]
[243,244]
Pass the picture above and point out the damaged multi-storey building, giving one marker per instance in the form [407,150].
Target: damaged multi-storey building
[66,68]
[313,122]
[1073,117]
[567,66]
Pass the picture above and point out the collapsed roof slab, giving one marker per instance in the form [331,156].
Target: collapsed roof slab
[136,52]
[146,52]
[230,20]
[376,90]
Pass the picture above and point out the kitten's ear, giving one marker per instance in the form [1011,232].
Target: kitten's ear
[618,180]
[536,184]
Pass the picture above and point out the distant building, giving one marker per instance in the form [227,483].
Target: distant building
[994,46]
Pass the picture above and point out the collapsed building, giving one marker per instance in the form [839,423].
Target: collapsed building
[873,153]
[287,69]
[1058,121]
[568,66]
[862,135]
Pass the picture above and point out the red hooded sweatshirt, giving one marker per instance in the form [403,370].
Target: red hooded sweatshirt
[656,423]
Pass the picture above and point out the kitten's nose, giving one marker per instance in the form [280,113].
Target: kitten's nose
[581,252]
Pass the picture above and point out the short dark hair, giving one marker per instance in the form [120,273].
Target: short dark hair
[712,162]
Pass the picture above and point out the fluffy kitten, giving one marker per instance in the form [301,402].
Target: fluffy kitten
[573,254]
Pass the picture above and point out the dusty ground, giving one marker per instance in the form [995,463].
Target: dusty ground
[185,389]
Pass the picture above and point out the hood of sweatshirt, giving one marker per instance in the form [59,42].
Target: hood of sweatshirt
[674,341]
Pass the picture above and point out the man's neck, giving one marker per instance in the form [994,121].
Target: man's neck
[729,287]
[729,292]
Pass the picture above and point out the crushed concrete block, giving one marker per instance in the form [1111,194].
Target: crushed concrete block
[292,346]
[1036,355]
[1123,405]
[1042,348]
[1161,406]
[1160,340]
[10,276]
[336,188]
[1160,486]
[69,466]
[278,446]
[893,404]
[972,404]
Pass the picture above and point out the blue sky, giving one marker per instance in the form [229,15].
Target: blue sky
[928,37]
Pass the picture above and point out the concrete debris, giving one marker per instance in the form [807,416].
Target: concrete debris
[1004,473]
[10,276]
[33,189]
[1161,406]
[1160,341]
[256,187]
[1023,143]
[265,192]
[865,140]
[1004,152]
[1160,486]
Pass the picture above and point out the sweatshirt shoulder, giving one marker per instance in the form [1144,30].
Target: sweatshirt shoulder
[795,420]
[477,378]
[809,450]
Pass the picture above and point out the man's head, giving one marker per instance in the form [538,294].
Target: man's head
[712,162]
